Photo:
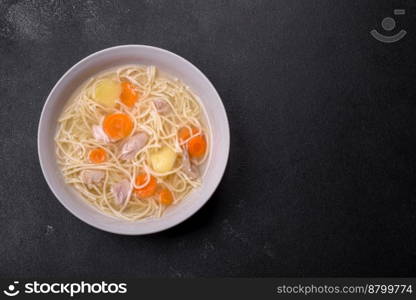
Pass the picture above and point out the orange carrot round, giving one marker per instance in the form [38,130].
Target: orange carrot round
[148,190]
[197,146]
[117,126]
[185,133]
[128,95]
[165,197]
[97,155]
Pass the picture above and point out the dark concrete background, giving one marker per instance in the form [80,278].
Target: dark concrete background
[321,176]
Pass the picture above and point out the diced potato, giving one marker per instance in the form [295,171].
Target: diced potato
[163,160]
[107,92]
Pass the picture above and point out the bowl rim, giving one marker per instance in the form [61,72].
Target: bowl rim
[189,213]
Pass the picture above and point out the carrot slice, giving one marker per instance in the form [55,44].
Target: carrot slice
[197,146]
[117,126]
[184,133]
[165,197]
[128,95]
[148,190]
[97,155]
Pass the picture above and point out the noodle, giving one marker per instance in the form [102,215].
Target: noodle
[74,139]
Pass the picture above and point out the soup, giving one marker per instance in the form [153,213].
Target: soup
[132,141]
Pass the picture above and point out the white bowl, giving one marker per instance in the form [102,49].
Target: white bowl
[167,62]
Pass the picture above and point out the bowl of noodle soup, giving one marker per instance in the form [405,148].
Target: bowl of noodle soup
[133,139]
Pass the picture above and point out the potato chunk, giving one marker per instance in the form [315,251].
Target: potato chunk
[107,92]
[163,160]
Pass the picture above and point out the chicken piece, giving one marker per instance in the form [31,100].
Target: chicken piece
[92,177]
[133,145]
[99,134]
[162,106]
[188,167]
[121,191]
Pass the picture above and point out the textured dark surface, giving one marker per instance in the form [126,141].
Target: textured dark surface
[321,176]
